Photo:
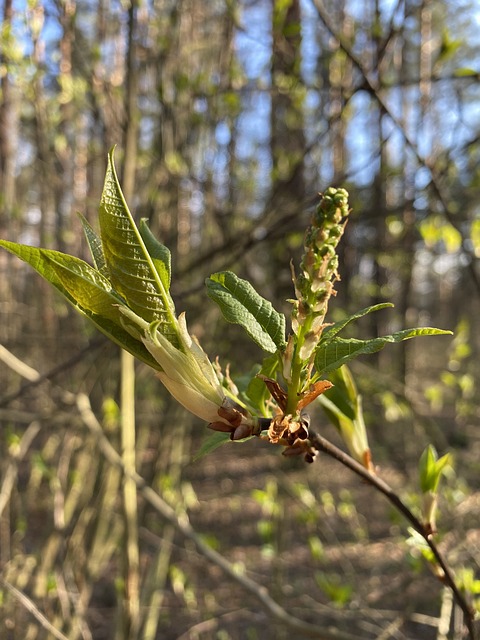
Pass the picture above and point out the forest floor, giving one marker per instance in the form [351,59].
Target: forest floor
[329,550]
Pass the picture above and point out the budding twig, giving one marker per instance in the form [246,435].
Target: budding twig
[320,443]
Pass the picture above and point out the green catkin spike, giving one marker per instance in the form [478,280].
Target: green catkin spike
[315,284]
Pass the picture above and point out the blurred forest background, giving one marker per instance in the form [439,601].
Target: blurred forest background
[229,118]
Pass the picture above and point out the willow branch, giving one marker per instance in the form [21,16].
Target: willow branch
[325,446]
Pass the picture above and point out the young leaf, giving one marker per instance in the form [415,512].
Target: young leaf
[159,253]
[90,290]
[330,332]
[241,304]
[257,391]
[344,393]
[133,272]
[343,406]
[95,245]
[80,283]
[339,351]
[210,443]
[431,468]
[86,289]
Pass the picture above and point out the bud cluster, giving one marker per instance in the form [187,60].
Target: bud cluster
[315,283]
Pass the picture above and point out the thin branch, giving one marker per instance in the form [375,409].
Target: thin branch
[31,607]
[182,524]
[17,365]
[322,444]
[11,472]
[36,378]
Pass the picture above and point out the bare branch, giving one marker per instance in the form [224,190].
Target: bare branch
[31,607]
[11,472]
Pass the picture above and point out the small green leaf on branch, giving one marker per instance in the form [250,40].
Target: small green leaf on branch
[431,468]
[330,332]
[241,304]
[339,351]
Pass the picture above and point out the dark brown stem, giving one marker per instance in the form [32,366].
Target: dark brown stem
[320,443]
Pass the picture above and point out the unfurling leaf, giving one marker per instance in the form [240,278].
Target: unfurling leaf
[141,277]
[330,332]
[343,406]
[431,468]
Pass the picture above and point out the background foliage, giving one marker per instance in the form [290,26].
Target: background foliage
[231,117]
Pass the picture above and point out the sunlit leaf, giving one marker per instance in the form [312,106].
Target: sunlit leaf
[463,72]
[475,236]
[343,406]
[133,272]
[435,229]
[86,289]
[339,351]
[330,332]
[431,468]
[160,254]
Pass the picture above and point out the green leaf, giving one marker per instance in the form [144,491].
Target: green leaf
[331,332]
[431,468]
[159,253]
[343,406]
[133,272]
[464,72]
[257,391]
[241,304]
[210,443]
[339,351]
[341,420]
[80,283]
[475,236]
[95,245]
[344,393]
[86,286]
[86,289]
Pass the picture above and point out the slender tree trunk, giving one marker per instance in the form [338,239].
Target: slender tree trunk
[131,107]
[130,625]
[340,81]
[288,151]
[8,113]
[287,126]
[46,168]
[64,152]
[287,123]
[379,203]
